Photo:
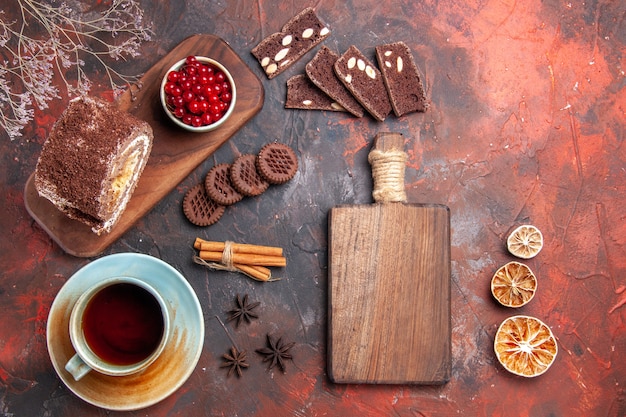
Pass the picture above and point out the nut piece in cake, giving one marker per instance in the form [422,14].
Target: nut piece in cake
[299,35]
[401,77]
[364,81]
[91,162]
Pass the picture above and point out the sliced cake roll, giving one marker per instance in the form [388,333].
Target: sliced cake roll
[90,164]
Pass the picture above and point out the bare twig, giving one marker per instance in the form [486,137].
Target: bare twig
[46,41]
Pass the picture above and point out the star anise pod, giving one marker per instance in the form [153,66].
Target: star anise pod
[243,311]
[276,352]
[236,361]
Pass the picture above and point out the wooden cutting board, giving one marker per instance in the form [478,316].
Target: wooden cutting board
[389,287]
[175,152]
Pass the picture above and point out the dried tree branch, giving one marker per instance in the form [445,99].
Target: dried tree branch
[47,41]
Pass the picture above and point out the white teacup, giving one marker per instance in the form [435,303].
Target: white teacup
[118,327]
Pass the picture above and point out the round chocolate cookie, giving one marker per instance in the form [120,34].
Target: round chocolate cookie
[277,163]
[199,208]
[245,178]
[219,187]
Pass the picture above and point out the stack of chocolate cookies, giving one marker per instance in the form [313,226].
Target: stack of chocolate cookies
[248,176]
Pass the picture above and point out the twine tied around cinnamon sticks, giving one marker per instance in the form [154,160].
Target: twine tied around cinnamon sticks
[388,163]
[250,260]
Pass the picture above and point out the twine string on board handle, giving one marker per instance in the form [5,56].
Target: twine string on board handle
[388,165]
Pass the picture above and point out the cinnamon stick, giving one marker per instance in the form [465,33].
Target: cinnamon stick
[211,246]
[257,272]
[245,258]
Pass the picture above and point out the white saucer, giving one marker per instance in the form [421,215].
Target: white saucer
[168,372]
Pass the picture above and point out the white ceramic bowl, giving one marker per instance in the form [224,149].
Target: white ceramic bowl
[204,128]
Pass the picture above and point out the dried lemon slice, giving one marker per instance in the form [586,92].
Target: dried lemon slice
[513,284]
[525,241]
[525,346]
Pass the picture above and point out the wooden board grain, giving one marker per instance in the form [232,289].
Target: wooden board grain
[389,294]
[389,297]
[175,152]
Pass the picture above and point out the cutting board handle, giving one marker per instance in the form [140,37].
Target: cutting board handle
[388,160]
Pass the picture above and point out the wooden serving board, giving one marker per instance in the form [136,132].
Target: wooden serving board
[175,152]
[389,294]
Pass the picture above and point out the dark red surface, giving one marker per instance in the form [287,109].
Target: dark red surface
[526,125]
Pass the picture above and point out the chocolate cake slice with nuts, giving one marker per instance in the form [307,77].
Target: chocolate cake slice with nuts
[321,73]
[364,81]
[401,77]
[280,50]
[303,94]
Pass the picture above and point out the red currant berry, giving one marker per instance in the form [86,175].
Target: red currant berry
[226,86]
[177,91]
[215,110]
[203,69]
[217,88]
[196,121]
[197,89]
[203,79]
[179,112]
[168,87]
[206,118]
[220,77]
[186,85]
[208,90]
[188,96]
[226,97]
[204,106]
[178,101]
[187,118]
[194,107]
[173,76]
[190,70]
[190,60]
[214,98]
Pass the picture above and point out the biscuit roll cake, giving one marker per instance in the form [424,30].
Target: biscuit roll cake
[91,162]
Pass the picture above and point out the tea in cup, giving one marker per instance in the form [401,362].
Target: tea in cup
[118,327]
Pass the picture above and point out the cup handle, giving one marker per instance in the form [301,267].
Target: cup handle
[77,367]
